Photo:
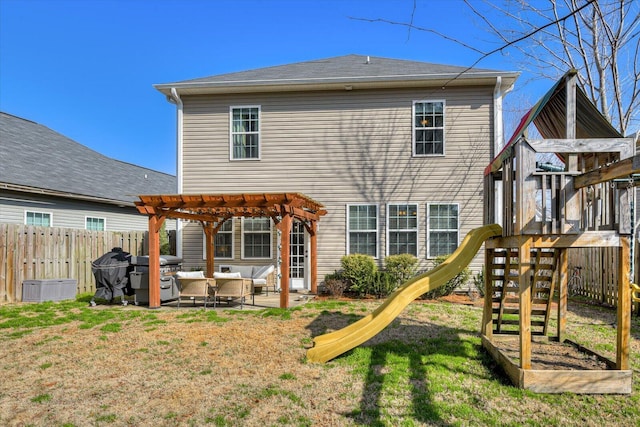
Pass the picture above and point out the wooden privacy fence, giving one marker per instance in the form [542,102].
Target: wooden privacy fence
[599,273]
[28,252]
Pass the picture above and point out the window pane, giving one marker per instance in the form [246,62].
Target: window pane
[257,237]
[443,229]
[403,229]
[38,219]
[428,125]
[363,229]
[245,129]
[95,224]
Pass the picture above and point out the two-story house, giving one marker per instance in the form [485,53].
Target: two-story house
[394,150]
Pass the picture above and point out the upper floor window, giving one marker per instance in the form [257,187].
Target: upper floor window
[256,238]
[223,242]
[94,224]
[442,229]
[245,133]
[362,232]
[402,229]
[41,219]
[428,128]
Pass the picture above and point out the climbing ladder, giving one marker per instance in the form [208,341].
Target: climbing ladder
[503,275]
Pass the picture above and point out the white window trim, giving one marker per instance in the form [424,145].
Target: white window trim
[413,128]
[417,229]
[39,212]
[233,243]
[428,228]
[242,256]
[348,230]
[104,220]
[233,107]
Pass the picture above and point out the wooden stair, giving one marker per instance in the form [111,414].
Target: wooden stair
[503,274]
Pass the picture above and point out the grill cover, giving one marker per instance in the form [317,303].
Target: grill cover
[111,272]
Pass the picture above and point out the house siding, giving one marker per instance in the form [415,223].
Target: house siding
[341,148]
[69,213]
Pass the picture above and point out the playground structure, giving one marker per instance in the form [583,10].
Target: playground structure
[544,212]
[535,214]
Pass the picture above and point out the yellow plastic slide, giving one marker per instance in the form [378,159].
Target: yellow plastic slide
[333,344]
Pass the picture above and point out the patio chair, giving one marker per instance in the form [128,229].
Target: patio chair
[229,289]
[195,286]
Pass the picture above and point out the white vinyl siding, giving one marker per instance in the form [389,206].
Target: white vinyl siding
[428,128]
[40,219]
[442,229]
[245,133]
[256,238]
[95,224]
[402,229]
[362,232]
[357,150]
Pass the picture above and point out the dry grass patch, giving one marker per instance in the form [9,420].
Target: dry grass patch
[133,366]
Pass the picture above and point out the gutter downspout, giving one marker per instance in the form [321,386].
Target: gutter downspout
[174,98]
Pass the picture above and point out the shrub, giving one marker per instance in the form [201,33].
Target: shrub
[478,281]
[358,270]
[383,284]
[458,280]
[335,284]
[401,267]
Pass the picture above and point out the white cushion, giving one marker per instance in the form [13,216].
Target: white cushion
[218,275]
[259,282]
[190,274]
[262,271]
[244,270]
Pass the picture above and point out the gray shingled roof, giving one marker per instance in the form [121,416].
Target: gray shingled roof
[35,156]
[340,69]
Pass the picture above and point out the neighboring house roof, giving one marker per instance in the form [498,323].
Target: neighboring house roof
[349,72]
[35,158]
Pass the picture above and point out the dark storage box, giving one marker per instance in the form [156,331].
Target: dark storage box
[49,290]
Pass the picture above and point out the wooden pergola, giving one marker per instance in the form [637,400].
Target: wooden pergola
[212,210]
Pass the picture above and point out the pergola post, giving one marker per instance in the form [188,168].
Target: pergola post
[285,241]
[209,235]
[155,222]
[313,235]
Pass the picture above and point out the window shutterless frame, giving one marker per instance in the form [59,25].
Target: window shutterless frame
[443,229]
[95,223]
[244,132]
[402,228]
[256,239]
[37,218]
[363,229]
[427,129]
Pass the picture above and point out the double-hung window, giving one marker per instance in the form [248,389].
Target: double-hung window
[428,128]
[40,219]
[245,133]
[442,229]
[223,242]
[256,238]
[94,224]
[362,233]
[402,229]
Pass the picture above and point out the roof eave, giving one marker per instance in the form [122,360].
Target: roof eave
[55,193]
[340,83]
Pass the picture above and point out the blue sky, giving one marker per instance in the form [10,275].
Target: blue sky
[86,68]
